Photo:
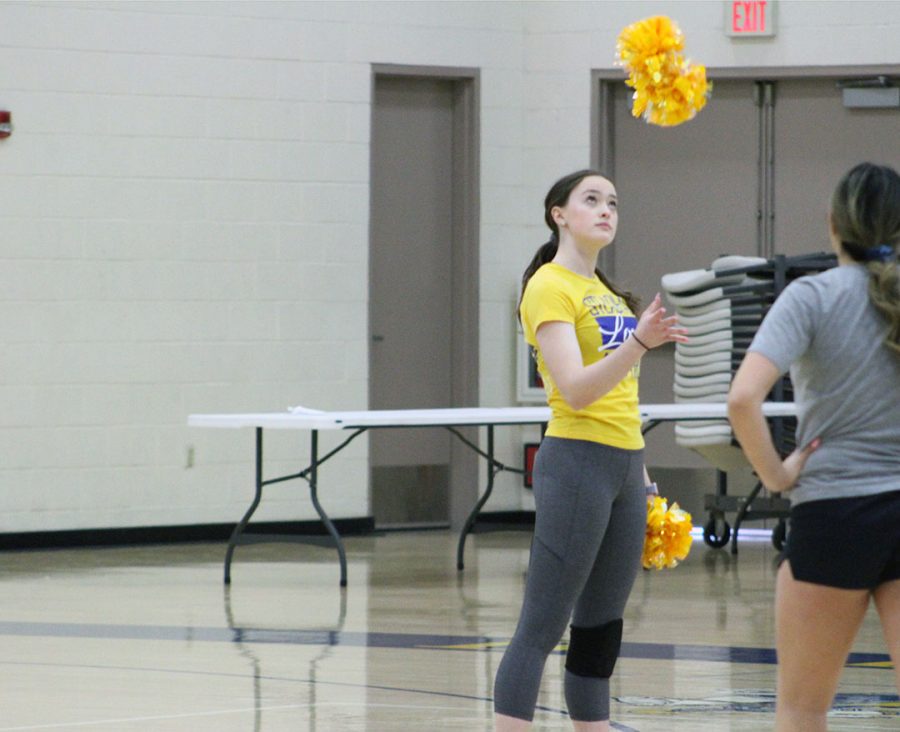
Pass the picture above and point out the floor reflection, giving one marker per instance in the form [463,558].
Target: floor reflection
[149,639]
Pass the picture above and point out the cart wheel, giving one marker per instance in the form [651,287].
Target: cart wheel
[713,539]
[779,534]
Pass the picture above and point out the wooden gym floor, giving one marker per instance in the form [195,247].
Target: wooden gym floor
[148,638]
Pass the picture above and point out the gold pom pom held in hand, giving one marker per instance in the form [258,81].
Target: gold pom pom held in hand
[668,537]
[668,90]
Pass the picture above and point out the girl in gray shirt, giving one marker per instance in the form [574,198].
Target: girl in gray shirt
[838,333]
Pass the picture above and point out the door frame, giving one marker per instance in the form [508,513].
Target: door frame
[464,276]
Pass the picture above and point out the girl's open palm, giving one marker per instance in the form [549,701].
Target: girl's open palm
[654,328]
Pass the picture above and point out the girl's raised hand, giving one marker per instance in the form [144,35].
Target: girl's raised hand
[654,328]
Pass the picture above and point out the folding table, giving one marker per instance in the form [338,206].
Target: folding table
[356,423]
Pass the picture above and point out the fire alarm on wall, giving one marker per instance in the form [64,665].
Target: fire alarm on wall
[5,124]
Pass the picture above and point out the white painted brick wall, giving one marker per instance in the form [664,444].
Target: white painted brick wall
[184,223]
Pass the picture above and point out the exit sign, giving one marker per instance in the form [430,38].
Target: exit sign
[744,18]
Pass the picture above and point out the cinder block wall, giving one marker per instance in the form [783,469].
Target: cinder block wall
[184,213]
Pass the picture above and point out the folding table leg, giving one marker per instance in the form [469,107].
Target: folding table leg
[473,516]
[313,491]
[242,524]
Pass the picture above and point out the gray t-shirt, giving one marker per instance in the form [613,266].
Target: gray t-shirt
[846,383]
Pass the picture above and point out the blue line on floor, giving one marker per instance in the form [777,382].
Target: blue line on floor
[630,649]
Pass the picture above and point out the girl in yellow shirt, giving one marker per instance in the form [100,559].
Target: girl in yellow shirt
[589,479]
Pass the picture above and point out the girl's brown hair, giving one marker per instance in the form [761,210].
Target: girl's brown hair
[865,216]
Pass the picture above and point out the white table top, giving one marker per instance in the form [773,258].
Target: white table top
[315,420]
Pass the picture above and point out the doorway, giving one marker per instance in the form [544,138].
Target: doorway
[423,290]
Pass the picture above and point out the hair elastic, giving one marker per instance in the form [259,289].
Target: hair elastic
[881,253]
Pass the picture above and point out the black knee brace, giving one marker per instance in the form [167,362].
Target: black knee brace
[593,651]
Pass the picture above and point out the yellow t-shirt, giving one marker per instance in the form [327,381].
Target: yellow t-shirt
[602,322]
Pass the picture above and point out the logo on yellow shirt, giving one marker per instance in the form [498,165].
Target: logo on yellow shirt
[613,319]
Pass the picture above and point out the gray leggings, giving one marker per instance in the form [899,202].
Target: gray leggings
[591,511]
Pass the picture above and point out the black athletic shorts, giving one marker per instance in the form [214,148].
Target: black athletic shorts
[851,543]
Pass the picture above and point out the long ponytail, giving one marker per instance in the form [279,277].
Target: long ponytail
[543,255]
[865,215]
[884,292]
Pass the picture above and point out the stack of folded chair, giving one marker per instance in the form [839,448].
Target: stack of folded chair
[722,308]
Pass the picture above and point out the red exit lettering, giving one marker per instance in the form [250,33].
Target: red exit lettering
[748,16]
